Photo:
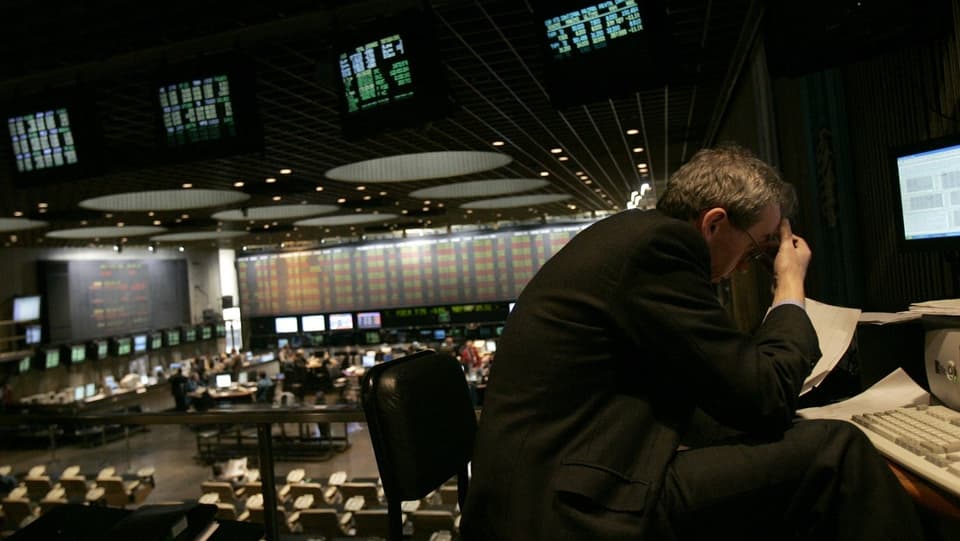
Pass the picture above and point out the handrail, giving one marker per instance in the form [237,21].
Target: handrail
[252,413]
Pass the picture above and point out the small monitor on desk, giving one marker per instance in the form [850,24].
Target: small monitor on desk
[223,381]
[78,393]
[89,390]
[243,377]
[32,334]
[110,383]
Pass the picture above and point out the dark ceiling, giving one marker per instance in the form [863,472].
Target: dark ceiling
[492,61]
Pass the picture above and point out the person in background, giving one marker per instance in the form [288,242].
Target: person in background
[624,402]
[178,388]
[264,386]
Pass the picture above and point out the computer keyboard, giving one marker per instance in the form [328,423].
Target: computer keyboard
[922,439]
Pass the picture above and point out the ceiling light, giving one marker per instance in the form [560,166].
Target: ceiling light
[180,248]
[271,180]
[319,188]
[156,222]
[151,248]
[633,131]
[117,248]
[383,194]
[427,202]
[556,150]
[638,149]
[342,200]
[120,224]
[238,184]
[544,173]
[42,211]
[498,143]
[404,211]
[563,158]
[286,171]
[276,198]
[186,186]
[361,188]
[41,205]
[150,213]
[18,213]
[367,197]
[469,211]
[572,206]
[185,216]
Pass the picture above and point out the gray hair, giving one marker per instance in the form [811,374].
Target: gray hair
[730,177]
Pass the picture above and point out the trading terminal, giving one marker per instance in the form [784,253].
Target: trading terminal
[251,209]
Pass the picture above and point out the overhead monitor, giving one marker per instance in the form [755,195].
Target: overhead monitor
[26,308]
[78,353]
[389,74]
[139,343]
[206,332]
[207,108]
[286,325]
[223,381]
[372,337]
[927,186]
[368,320]
[188,335]
[439,334]
[122,345]
[156,340]
[98,349]
[220,329]
[313,323]
[23,366]
[32,334]
[341,322]
[594,50]
[53,137]
[172,337]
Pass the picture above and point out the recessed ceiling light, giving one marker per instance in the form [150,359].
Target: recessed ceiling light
[556,150]
[638,149]
[563,158]
[238,184]
[469,211]
[186,186]
[588,181]
[150,213]
[367,197]
[156,222]
[41,205]
[361,188]
[18,213]
[342,200]
[498,143]
[633,131]
[271,180]
[319,188]
[120,224]
[286,171]
[383,194]
[544,173]
[276,198]
[185,216]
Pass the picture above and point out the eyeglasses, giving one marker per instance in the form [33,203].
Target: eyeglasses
[760,255]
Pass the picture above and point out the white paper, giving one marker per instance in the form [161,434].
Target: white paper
[894,391]
[835,326]
[946,307]
[882,318]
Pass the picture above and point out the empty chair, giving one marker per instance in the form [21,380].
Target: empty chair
[372,523]
[256,487]
[224,490]
[228,511]
[419,444]
[287,523]
[120,493]
[326,522]
[18,512]
[303,489]
[367,490]
[74,484]
[449,494]
[429,521]
[56,496]
[38,486]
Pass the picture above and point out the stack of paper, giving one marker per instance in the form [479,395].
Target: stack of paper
[835,326]
[942,307]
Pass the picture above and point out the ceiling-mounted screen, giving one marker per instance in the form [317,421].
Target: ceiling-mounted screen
[207,108]
[368,320]
[389,74]
[26,308]
[285,325]
[313,323]
[341,322]
[594,50]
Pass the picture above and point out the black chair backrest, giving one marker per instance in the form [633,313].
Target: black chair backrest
[422,426]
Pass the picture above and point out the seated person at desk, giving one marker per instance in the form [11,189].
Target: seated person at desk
[264,386]
[625,404]
[178,387]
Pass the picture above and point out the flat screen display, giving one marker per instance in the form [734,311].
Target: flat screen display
[197,110]
[189,335]
[928,193]
[368,320]
[89,390]
[32,334]
[223,381]
[173,337]
[221,330]
[42,139]
[139,342]
[51,358]
[156,340]
[26,308]
[206,332]
[102,349]
[23,366]
[341,322]
[313,323]
[78,353]
[78,393]
[123,346]
[285,325]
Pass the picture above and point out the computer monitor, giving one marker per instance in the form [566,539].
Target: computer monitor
[23,366]
[78,393]
[172,337]
[139,343]
[206,332]
[286,325]
[927,186]
[341,322]
[122,345]
[51,358]
[313,323]
[369,359]
[78,353]
[283,342]
[368,320]
[188,334]
[32,334]
[26,308]
[156,340]
[243,377]
[89,390]
[223,381]
[220,329]
[110,383]
[439,334]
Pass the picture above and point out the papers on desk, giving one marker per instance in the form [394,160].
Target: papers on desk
[942,307]
[882,318]
[894,391]
[835,326]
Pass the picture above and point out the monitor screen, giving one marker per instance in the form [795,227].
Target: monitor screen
[51,358]
[584,41]
[23,366]
[173,337]
[32,334]
[285,325]
[341,322]
[26,308]
[439,334]
[78,353]
[221,330]
[389,74]
[223,381]
[372,337]
[207,108]
[139,342]
[206,332]
[243,377]
[510,306]
[928,194]
[110,383]
[123,346]
[78,393]
[189,334]
[313,323]
[283,342]
[368,320]
[89,390]
[156,340]
[369,359]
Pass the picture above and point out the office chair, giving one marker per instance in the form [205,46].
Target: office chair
[422,426]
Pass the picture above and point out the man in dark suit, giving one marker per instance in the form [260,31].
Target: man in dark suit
[618,350]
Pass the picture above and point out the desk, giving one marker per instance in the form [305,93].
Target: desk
[926,495]
[239,394]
